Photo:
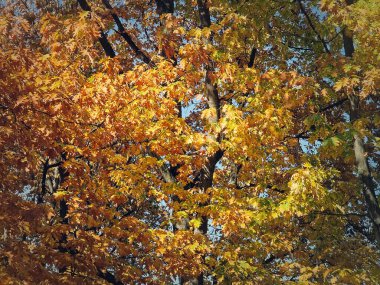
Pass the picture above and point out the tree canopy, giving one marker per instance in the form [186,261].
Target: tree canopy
[189,142]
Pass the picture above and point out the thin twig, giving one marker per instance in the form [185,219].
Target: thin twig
[312,26]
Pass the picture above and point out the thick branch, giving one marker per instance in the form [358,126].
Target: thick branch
[204,14]
[45,169]
[121,31]
[40,196]
[252,57]
[165,7]
[363,169]
[103,37]
[109,277]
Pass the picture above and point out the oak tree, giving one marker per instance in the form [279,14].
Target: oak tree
[189,142]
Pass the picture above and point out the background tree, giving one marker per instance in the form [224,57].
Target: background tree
[189,142]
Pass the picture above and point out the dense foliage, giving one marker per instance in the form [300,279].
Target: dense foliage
[189,142]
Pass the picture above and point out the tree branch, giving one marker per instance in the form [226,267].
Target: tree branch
[329,213]
[303,134]
[252,57]
[40,196]
[312,26]
[103,37]
[332,105]
[121,31]
[109,277]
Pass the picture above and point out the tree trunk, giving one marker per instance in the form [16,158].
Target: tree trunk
[364,172]
[213,102]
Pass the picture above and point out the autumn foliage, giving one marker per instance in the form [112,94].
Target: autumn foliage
[189,142]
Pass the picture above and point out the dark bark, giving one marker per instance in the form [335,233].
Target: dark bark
[363,169]
[211,90]
[103,37]
[165,7]
[213,101]
[40,196]
[121,31]
[348,43]
[303,10]
[212,98]
[45,169]
[333,105]
[252,57]
[204,14]
[109,277]
[304,134]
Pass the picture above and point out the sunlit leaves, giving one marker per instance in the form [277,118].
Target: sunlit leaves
[108,163]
